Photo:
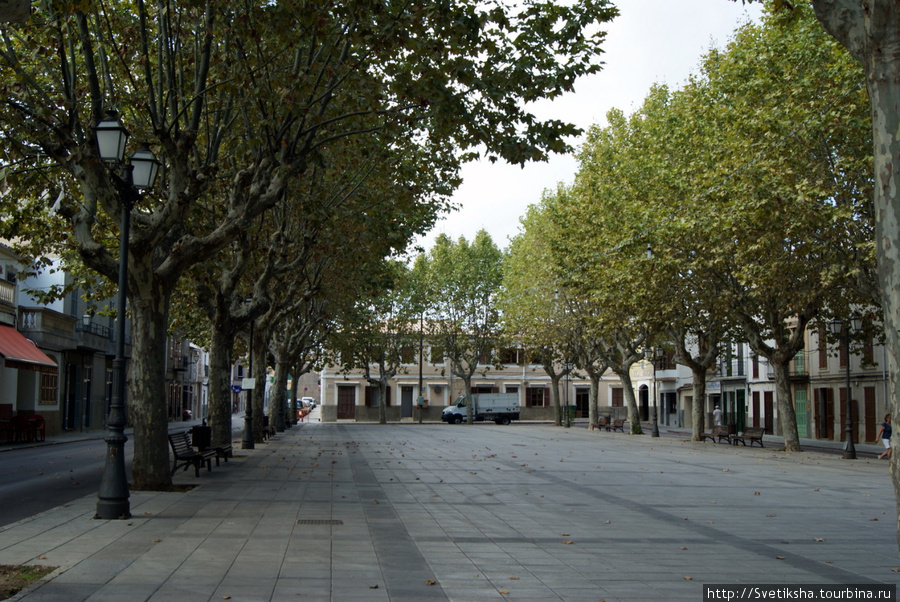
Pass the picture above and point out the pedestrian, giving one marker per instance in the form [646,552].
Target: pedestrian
[885,435]
[717,416]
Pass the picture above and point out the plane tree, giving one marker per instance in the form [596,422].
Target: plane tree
[461,281]
[247,93]
[792,157]
[533,317]
[377,333]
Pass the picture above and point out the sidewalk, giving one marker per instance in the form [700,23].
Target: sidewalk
[455,512]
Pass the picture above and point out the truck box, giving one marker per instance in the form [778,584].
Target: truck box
[499,407]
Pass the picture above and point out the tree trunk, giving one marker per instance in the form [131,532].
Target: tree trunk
[787,418]
[470,409]
[382,402]
[634,416]
[698,416]
[554,398]
[871,33]
[258,349]
[221,344]
[147,403]
[278,397]
[594,402]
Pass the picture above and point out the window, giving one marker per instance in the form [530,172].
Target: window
[509,356]
[372,396]
[408,354]
[536,397]
[437,354]
[823,348]
[49,386]
[618,397]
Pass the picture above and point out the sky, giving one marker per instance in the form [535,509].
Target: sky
[651,41]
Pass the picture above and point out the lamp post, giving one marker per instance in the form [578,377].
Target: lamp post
[568,366]
[654,355]
[136,175]
[837,329]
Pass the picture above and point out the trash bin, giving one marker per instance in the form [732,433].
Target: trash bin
[571,409]
[201,436]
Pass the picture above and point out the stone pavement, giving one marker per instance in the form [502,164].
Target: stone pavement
[453,512]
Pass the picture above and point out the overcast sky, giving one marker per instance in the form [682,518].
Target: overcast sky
[650,41]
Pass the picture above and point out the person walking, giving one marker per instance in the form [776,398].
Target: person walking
[885,435]
[717,416]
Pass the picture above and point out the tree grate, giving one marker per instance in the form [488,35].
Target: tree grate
[319,521]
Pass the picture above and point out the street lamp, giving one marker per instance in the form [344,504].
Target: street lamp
[129,179]
[654,355]
[837,329]
[568,367]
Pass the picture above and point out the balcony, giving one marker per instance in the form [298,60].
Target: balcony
[96,337]
[47,328]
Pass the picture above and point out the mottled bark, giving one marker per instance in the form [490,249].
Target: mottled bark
[257,396]
[221,344]
[147,402]
[698,413]
[870,30]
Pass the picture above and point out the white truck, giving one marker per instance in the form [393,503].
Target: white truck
[499,407]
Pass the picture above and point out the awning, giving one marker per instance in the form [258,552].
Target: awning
[20,353]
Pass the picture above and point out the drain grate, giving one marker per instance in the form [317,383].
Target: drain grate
[319,521]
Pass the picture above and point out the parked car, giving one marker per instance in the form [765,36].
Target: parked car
[308,402]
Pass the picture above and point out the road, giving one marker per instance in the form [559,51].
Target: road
[40,477]
[35,479]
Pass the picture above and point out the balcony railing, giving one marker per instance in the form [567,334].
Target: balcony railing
[7,292]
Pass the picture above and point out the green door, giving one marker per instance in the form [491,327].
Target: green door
[801,409]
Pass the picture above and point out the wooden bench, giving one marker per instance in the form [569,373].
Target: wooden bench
[616,424]
[718,433]
[186,455]
[224,452]
[751,434]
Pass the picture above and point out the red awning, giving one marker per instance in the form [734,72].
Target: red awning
[20,353]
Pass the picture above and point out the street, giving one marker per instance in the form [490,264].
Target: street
[526,511]
[36,478]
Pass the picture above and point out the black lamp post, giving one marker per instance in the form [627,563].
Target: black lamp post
[568,367]
[138,174]
[837,330]
[654,355]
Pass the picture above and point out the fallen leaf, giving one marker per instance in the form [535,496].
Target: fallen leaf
[688,578]
[226,597]
[42,558]
[756,493]
[873,519]
[373,586]
[513,578]
[503,592]
[779,558]
[568,543]
[771,515]
[157,540]
[564,534]
[430,582]
[682,548]
[820,539]
[374,502]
